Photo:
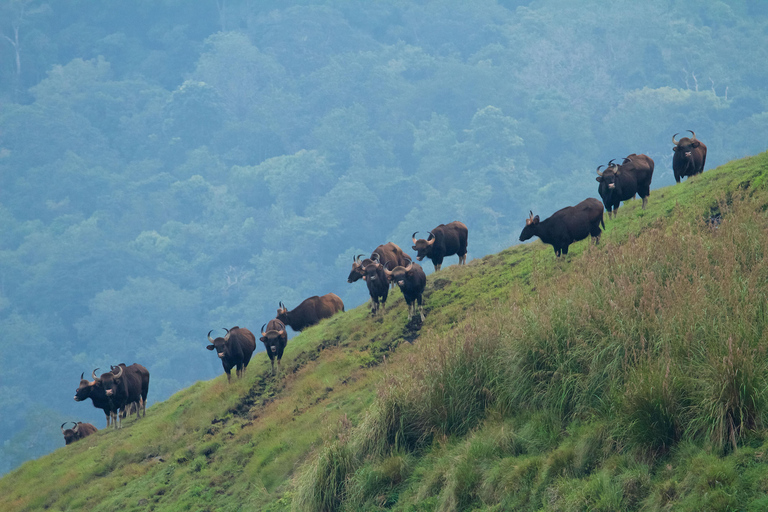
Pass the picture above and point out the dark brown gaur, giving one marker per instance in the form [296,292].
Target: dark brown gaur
[275,340]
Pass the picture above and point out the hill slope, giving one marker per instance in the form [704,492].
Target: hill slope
[629,375]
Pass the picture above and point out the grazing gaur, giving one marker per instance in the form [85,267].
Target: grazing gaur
[621,182]
[98,395]
[378,286]
[310,312]
[77,432]
[125,385]
[385,254]
[234,349]
[412,280]
[275,339]
[689,158]
[571,224]
[444,240]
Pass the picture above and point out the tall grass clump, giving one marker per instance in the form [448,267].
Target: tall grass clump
[322,486]
[443,388]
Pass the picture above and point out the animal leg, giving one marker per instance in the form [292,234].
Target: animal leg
[437,266]
[273,365]
[645,202]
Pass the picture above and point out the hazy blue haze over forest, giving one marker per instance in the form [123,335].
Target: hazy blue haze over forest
[171,167]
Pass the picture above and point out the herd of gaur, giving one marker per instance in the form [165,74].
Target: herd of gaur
[124,389]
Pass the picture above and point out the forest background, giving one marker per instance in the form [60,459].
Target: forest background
[171,167]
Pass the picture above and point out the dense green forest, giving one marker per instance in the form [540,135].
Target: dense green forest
[171,167]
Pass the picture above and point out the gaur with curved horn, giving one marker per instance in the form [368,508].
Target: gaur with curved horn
[623,182]
[388,253]
[378,286]
[77,432]
[567,225]
[234,349]
[690,156]
[446,240]
[275,338]
[411,280]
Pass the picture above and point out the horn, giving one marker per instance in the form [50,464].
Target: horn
[118,375]
[93,374]
[81,375]
[674,141]
[262,330]
[693,133]
[409,267]
[209,336]
[76,426]
[226,338]
[357,260]
[430,242]
[62,426]
[598,173]
[531,212]
[375,257]
[413,236]
[611,162]
[625,161]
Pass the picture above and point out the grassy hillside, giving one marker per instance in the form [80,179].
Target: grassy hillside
[627,376]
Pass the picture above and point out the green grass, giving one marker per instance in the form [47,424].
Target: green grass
[627,376]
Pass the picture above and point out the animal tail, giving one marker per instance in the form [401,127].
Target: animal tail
[602,221]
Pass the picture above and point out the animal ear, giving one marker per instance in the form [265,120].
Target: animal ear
[414,248]
[599,178]
[536,219]
[365,278]
[210,347]
[674,148]
[263,339]
[696,143]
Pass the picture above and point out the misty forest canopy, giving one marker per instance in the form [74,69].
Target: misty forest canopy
[171,167]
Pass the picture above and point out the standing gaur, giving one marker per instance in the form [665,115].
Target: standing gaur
[566,226]
[96,392]
[689,158]
[444,240]
[621,182]
[76,433]
[234,349]
[378,286]
[124,386]
[412,280]
[275,339]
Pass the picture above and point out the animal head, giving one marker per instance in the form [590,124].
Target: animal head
[610,176]
[398,274]
[685,146]
[273,337]
[423,247]
[111,380]
[282,313]
[357,269]
[71,434]
[371,269]
[219,344]
[531,224]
